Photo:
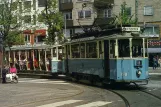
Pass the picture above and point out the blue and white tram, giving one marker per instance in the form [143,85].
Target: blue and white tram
[113,56]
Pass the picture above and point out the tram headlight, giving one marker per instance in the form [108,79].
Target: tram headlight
[138,73]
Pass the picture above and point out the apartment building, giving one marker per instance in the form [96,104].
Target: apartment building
[149,15]
[82,14]
[27,15]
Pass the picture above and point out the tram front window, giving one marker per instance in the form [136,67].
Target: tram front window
[123,46]
[137,46]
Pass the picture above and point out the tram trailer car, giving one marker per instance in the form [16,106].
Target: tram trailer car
[115,56]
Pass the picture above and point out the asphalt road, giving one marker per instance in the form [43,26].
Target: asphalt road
[31,92]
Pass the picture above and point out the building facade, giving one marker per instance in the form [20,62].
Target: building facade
[82,14]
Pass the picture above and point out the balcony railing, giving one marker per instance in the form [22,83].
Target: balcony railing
[66,6]
[102,4]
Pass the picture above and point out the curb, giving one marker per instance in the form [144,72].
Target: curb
[154,73]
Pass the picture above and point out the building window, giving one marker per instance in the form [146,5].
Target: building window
[14,6]
[34,4]
[27,38]
[128,11]
[72,31]
[34,19]
[27,6]
[107,13]
[27,19]
[66,1]
[68,15]
[39,39]
[148,10]
[41,3]
[84,14]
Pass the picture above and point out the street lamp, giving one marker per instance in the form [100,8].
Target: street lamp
[1,50]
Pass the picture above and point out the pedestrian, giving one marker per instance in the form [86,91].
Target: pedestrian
[159,62]
[4,72]
[154,62]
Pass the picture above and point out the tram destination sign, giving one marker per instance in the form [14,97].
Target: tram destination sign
[83,39]
[131,29]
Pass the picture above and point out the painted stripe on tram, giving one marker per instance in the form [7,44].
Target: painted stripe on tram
[60,103]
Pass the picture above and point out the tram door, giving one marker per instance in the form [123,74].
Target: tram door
[106,59]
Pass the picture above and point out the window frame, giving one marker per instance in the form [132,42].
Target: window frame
[146,12]
[83,13]
[106,13]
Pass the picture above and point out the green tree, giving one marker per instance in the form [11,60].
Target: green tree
[10,21]
[54,21]
[125,17]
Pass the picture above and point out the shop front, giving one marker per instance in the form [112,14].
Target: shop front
[154,49]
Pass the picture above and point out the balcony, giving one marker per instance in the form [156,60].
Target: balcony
[66,6]
[102,4]
[69,23]
[104,21]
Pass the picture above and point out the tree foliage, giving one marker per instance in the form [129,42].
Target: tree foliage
[54,21]
[8,21]
[124,18]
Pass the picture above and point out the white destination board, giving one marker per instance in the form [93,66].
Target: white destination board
[132,29]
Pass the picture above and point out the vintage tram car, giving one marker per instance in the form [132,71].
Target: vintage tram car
[108,56]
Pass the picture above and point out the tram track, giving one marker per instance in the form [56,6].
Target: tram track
[143,91]
[127,104]
[155,96]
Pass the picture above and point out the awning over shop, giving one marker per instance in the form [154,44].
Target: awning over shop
[154,50]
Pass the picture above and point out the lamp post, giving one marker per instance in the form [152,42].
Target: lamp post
[1,50]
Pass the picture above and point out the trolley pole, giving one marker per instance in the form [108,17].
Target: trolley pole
[136,11]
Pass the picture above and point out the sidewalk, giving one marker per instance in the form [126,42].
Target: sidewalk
[155,71]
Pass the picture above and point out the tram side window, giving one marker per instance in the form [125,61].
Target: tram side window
[112,48]
[124,48]
[100,49]
[54,52]
[82,50]
[68,51]
[137,46]
[91,50]
[60,53]
[75,51]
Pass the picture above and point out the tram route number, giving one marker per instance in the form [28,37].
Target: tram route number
[133,29]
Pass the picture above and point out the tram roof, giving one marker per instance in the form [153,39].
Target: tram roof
[115,33]
[31,47]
